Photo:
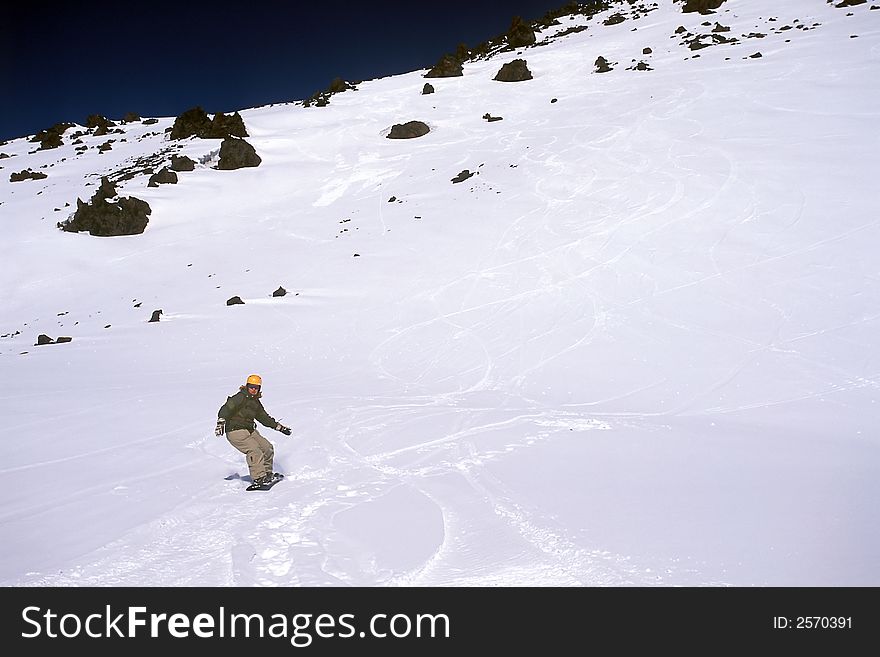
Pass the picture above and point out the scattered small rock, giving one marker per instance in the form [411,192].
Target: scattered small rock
[280,292]
[234,301]
[322,98]
[155,316]
[45,339]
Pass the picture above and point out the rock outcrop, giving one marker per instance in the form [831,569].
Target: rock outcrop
[104,217]
[515,71]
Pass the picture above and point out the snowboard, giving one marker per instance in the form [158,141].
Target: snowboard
[275,479]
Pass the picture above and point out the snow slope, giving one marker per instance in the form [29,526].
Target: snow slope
[637,348]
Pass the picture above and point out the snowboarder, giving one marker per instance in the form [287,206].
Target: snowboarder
[236,418]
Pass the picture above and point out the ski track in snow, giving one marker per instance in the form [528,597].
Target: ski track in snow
[185,546]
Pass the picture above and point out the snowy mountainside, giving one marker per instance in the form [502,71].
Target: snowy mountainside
[634,346]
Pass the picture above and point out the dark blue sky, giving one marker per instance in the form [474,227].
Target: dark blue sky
[64,61]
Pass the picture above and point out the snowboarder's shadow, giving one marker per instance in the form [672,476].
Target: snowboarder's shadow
[235,475]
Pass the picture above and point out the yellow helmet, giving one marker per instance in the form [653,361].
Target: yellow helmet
[254,380]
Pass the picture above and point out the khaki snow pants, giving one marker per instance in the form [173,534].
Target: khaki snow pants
[258,451]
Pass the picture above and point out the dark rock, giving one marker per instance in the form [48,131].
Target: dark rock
[223,126]
[427,89]
[602,65]
[614,19]
[98,121]
[194,122]
[408,130]
[104,218]
[51,138]
[318,99]
[520,33]
[462,176]
[62,339]
[165,176]
[322,98]
[338,85]
[43,339]
[515,71]
[130,117]
[491,118]
[449,66]
[191,123]
[280,292]
[127,216]
[155,316]
[27,174]
[236,153]
[182,163]
[106,190]
[700,6]
[234,301]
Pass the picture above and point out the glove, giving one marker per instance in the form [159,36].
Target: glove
[280,427]
[220,429]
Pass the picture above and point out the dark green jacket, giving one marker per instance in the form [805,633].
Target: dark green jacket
[241,410]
